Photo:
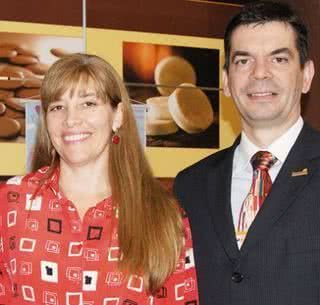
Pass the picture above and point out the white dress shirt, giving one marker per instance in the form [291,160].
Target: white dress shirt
[242,169]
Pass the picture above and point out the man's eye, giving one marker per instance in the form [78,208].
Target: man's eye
[280,60]
[242,61]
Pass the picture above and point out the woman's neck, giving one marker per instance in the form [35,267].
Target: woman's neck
[83,183]
[84,186]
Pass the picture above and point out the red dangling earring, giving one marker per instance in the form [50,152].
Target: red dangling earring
[115,139]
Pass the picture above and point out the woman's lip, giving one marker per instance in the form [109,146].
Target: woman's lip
[76,137]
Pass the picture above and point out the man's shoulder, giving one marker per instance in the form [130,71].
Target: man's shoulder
[309,133]
[191,182]
[203,166]
[308,142]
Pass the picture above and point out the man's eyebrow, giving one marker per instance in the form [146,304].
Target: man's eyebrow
[282,50]
[239,53]
[274,52]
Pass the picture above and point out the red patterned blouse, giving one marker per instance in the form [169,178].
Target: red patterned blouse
[49,256]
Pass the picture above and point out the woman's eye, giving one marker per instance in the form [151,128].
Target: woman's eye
[56,108]
[89,103]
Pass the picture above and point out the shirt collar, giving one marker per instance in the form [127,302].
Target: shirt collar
[51,181]
[47,180]
[279,148]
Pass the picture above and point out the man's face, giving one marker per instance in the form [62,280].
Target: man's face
[265,77]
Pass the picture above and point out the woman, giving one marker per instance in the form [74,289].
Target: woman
[91,225]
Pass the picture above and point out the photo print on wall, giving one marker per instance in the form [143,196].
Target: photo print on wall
[180,87]
[24,59]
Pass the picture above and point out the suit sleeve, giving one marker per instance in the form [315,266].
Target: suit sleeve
[178,189]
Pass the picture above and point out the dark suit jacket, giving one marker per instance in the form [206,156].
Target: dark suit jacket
[279,262]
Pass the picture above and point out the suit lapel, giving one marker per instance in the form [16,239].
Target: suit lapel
[292,178]
[219,202]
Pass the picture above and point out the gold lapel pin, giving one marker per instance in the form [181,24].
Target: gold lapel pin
[303,172]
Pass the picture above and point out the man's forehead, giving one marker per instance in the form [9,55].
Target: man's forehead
[263,34]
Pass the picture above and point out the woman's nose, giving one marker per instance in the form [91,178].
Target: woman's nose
[73,117]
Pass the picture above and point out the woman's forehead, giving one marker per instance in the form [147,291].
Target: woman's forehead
[80,89]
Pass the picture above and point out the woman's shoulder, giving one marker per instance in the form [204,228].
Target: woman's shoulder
[28,181]
[19,189]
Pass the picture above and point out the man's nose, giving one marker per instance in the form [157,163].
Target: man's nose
[261,69]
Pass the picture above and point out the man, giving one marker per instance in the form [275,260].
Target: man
[255,218]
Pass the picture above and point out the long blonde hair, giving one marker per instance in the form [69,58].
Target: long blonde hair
[150,225]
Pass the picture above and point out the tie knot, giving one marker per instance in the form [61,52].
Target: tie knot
[263,160]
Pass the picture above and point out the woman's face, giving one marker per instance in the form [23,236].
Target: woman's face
[80,126]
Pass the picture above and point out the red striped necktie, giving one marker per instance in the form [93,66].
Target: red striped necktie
[261,184]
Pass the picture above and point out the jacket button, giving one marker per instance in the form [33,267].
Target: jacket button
[237,277]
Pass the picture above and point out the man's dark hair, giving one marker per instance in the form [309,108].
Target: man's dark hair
[261,12]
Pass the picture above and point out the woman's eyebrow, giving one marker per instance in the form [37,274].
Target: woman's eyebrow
[87,94]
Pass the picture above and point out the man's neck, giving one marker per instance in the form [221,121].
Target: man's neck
[264,136]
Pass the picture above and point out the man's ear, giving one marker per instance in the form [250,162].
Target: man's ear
[118,117]
[225,80]
[308,73]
